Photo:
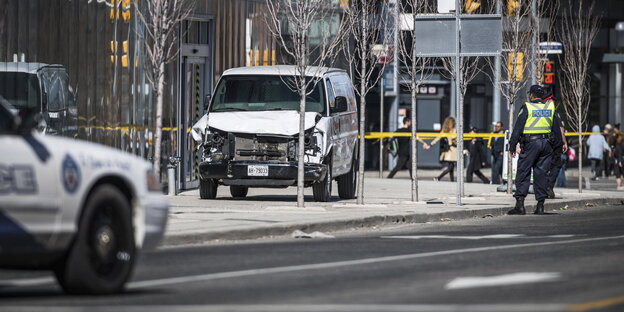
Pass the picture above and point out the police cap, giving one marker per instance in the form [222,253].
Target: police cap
[537,90]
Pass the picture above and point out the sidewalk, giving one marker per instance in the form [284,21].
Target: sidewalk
[273,212]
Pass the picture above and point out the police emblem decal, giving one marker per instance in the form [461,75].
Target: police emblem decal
[70,174]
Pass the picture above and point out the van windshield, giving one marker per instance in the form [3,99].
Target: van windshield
[263,93]
[21,90]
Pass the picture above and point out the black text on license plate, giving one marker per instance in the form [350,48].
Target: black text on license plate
[258,171]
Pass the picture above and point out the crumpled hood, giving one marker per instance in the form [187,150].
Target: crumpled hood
[262,122]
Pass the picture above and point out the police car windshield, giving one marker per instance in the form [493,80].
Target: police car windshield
[263,93]
[20,89]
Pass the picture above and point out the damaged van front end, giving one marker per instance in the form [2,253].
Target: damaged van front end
[260,149]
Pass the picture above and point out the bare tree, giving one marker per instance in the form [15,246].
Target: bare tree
[290,22]
[418,69]
[518,31]
[577,32]
[544,25]
[367,27]
[161,19]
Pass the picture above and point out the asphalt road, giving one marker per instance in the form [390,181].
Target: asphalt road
[565,261]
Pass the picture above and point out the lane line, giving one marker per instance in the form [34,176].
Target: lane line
[477,237]
[500,280]
[329,265]
[304,308]
[471,237]
[25,282]
[596,305]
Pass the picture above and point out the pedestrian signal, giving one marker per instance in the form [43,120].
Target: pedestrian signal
[548,77]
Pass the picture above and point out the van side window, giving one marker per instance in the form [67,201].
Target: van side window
[330,94]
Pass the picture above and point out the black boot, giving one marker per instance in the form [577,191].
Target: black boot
[519,209]
[540,208]
[551,193]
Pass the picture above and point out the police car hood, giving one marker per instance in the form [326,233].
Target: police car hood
[100,154]
[261,122]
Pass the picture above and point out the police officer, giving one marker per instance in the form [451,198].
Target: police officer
[556,161]
[535,133]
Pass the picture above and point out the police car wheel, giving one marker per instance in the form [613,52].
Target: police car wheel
[239,191]
[322,189]
[101,258]
[347,183]
[208,189]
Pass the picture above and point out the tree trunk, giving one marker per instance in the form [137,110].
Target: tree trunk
[363,81]
[301,153]
[511,148]
[159,111]
[414,146]
[580,162]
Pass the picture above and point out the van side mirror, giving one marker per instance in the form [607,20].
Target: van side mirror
[341,105]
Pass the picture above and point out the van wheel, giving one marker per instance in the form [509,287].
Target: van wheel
[322,189]
[239,191]
[101,258]
[347,183]
[208,189]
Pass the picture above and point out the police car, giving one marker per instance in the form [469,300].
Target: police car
[80,209]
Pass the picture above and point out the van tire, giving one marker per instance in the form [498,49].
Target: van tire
[208,189]
[347,183]
[322,189]
[103,253]
[239,191]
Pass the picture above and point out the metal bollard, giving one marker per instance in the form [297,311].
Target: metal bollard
[171,175]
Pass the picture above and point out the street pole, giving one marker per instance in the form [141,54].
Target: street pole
[381,126]
[534,42]
[394,108]
[459,103]
[496,109]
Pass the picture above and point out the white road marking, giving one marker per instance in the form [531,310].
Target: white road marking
[303,308]
[25,282]
[329,265]
[472,237]
[506,279]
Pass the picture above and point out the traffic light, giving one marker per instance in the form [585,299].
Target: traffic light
[126,10]
[548,77]
[515,65]
[470,6]
[512,7]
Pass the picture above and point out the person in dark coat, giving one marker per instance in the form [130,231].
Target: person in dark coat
[498,148]
[478,154]
[404,148]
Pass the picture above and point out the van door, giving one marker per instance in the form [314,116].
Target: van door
[347,132]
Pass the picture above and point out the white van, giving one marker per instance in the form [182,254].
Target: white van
[250,133]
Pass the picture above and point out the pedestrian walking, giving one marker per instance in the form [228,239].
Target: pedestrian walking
[535,133]
[448,149]
[597,147]
[498,148]
[559,150]
[478,153]
[404,151]
[619,161]
[607,163]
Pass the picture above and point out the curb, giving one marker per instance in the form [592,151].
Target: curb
[379,220]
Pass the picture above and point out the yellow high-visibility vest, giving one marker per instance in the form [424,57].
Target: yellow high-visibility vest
[540,117]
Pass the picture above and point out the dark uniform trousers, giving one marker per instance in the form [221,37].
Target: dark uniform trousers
[536,154]
[555,166]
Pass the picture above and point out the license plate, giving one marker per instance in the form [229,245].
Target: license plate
[258,171]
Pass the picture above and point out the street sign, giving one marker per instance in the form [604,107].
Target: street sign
[550,47]
[481,35]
